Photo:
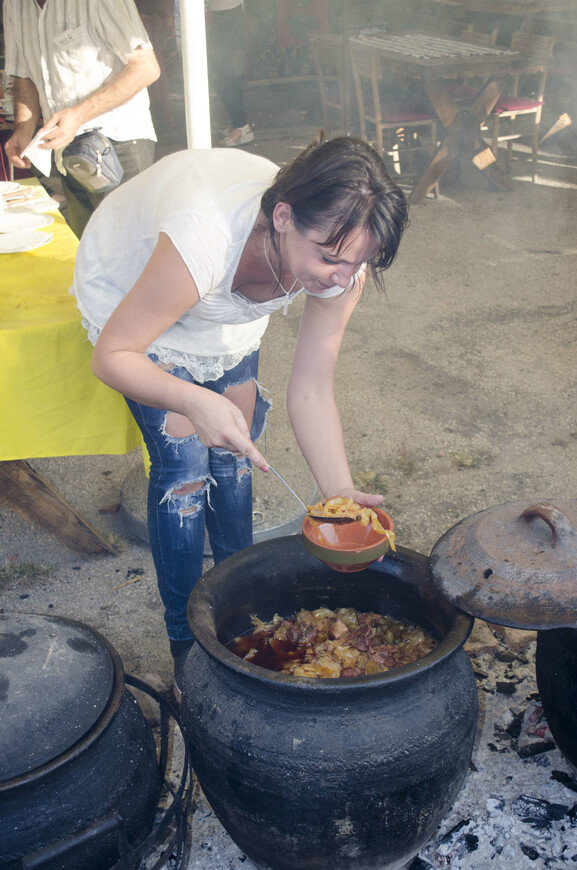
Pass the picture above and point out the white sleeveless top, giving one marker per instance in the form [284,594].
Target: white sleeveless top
[207,202]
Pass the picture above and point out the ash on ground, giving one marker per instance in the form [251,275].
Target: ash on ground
[518,805]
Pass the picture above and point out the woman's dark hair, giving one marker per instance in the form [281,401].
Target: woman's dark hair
[342,184]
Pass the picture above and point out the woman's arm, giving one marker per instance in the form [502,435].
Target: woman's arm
[311,404]
[163,292]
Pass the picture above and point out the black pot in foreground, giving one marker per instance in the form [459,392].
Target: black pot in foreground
[326,773]
[78,761]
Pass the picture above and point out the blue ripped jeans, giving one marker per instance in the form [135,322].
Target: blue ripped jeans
[176,523]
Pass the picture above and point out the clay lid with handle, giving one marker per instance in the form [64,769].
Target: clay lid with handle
[514,564]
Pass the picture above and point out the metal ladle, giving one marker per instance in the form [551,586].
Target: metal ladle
[337,520]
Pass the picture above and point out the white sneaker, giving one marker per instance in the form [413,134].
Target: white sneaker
[242,136]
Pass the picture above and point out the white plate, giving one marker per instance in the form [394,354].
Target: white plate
[8,186]
[26,240]
[12,222]
[36,205]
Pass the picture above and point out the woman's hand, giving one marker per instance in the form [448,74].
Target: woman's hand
[363,498]
[220,423]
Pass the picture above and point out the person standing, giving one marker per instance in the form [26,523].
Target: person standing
[219,241]
[226,55]
[80,65]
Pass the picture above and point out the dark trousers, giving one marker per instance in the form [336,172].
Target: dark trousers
[226,55]
[134,155]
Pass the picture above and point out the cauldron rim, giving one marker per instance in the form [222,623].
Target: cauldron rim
[201,618]
[100,724]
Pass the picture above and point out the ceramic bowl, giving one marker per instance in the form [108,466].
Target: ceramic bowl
[347,547]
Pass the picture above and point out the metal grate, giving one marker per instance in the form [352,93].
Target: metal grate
[169,835]
[424,45]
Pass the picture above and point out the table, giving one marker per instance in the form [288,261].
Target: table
[518,8]
[522,14]
[52,404]
[433,59]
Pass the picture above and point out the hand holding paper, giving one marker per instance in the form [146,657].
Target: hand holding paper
[41,158]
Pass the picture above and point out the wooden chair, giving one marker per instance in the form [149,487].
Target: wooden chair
[399,115]
[463,89]
[562,77]
[328,52]
[511,107]
[442,18]
[478,37]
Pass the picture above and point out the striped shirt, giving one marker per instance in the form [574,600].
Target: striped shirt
[70,48]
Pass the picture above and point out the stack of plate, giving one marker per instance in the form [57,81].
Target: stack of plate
[18,227]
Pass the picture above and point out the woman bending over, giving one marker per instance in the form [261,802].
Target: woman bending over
[177,274]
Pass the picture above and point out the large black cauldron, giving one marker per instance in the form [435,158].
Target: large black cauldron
[321,773]
[556,668]
[78,768]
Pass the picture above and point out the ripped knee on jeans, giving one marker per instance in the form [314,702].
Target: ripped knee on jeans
[188,498]
[187,489]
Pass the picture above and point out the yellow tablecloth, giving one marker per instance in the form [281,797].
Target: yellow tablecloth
[51,403]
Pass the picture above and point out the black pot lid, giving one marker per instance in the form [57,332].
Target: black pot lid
[514,564]
[56,678]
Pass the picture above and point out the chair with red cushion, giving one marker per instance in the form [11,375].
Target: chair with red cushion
[503,123]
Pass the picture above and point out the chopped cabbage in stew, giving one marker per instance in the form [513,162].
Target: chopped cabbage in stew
[328,643]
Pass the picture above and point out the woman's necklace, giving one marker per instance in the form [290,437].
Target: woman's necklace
[286,292]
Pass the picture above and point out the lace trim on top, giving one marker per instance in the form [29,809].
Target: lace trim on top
[201,368]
